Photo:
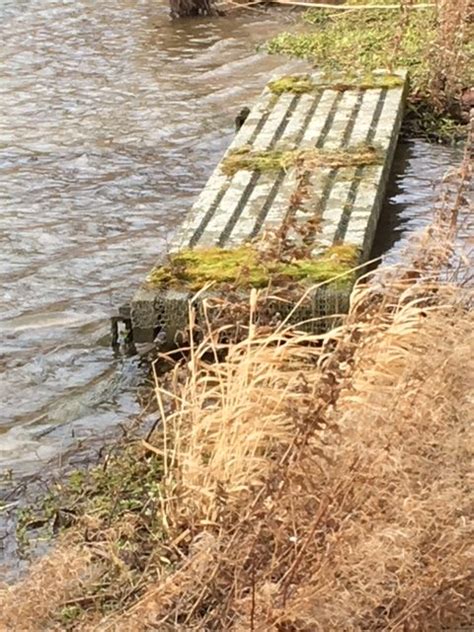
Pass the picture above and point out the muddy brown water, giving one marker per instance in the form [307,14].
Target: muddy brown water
[111,119]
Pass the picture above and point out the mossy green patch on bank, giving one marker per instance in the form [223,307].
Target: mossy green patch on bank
[246,267]
[360,41]
[244,158]
[124,485]
[304,84]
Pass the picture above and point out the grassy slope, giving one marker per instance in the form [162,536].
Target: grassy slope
[436,47]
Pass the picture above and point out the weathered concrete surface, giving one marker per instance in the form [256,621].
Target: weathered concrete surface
[233,209]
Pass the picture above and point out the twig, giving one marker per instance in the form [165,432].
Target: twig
[8,506]
[229,5]
[252,609]
[288,576]
[151,448]
[350,7]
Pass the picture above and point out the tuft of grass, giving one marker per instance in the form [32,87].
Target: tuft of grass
[246,267]
[270,160]
[49,585]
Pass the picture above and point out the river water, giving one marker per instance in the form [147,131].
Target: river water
[111,119]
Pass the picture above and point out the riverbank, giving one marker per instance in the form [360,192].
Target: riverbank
[87,212]
[302,481]
[434,42]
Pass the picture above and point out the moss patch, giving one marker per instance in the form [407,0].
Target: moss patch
[274,160]
[300,84]
[297,84]
[246,267]
[370,81]
[121,487]
[264,161]
[195,268]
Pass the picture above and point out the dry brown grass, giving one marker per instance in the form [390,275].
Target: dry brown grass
[50,584]
[355,513]
[311,483]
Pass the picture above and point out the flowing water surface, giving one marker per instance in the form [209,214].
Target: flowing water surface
[111,119]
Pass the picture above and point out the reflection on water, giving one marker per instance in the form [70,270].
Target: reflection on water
[412,192]
[111,119]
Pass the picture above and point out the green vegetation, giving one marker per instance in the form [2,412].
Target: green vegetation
[245,267]
[114,509]
[274,160]
[359,42]
[264,161]
[300,84]
[126,484]
[434,47]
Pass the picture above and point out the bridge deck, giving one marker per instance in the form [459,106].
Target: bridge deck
[312,152]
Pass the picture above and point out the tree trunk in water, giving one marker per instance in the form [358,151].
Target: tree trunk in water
[190,8]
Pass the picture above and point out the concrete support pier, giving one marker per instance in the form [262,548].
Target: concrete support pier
[314,155]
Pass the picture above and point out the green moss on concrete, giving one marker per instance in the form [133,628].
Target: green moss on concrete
[369,81]
[297,84]
[362,154]
[263,161]
[196,268]
[245,267]
[300,84]
[335,261]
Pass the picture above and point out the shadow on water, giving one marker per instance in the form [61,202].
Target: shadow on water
[411,193]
